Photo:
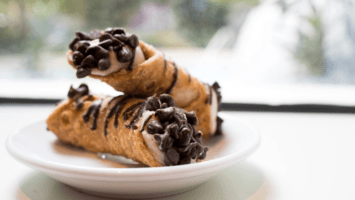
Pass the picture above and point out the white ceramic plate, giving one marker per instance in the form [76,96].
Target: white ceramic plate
[38,148]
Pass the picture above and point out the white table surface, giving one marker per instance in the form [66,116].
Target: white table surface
[302,156]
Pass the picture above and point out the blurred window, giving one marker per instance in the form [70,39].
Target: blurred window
[271,51]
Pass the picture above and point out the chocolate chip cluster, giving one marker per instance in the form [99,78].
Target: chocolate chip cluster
[82,90]
[175,131]
[88,56]
[77,94]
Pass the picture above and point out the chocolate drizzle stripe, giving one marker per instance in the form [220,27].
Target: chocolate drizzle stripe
[145,122]
[174,79]
[189,78]
[86,116]
[112,111]
[129,111]
[96,113]
[113,99]
[118,111]
[94,110]
[165,62]
[136,116]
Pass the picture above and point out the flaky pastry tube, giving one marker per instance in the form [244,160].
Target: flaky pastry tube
[150,131]
[158,75]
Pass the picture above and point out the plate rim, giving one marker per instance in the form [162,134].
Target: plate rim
[190,170]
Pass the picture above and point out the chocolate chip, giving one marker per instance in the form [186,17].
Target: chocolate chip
[77,93]
[105,36]
[82,46]
[88,62]
[152,104]
[72,44]
[72,92]
[185,137]
[165,124]
[184,159]
[191,118]
[179,117]
[91,50]
[104,64]
[165,98]
[118,44]
[164,105]
[124,55]
[117,49]
[165,114]
[217,88]
[132,41]
[219,126]
[173,130]
[197,136]
[83,72]
[171,157]
[165,140]
[77,57]
[121,37]
[183,149]
[101,53]
[105,44]
[83,35]
[204,153]
[83,89]
[190,149]
[118,31]
[199,150]
[167,161]
[154,127]
[193,152]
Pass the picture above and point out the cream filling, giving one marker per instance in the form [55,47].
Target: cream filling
[152,144]
[115,64]
[213,112]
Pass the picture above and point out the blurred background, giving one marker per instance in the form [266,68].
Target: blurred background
[267,51]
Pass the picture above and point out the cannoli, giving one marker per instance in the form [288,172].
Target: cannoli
[151,131]
[136,68]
